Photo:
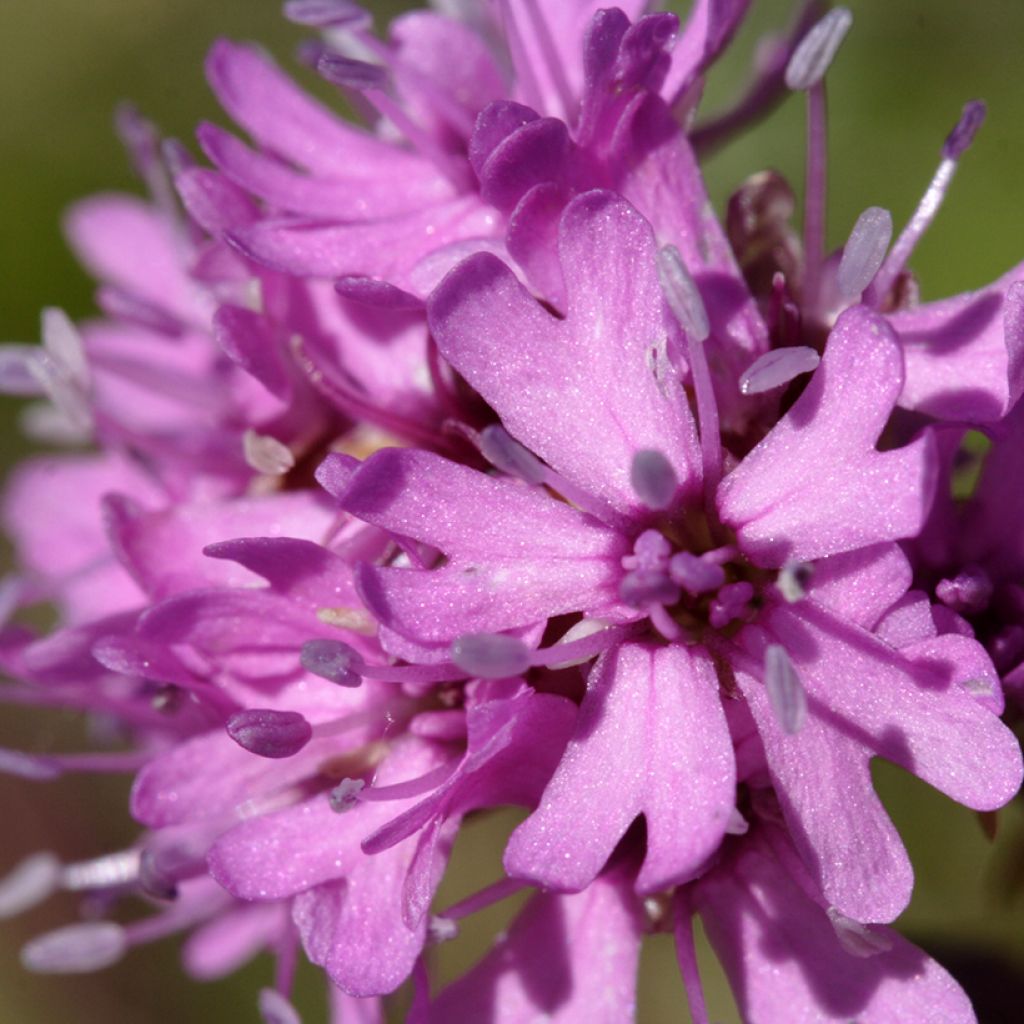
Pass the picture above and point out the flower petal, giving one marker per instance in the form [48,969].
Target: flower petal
[786,962]
[650,739]
[821,455]
[580,393]
[565,959]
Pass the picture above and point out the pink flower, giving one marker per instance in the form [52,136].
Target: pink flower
[643,564]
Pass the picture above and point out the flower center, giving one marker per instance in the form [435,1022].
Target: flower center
[688,593]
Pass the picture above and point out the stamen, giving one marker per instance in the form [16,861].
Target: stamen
[663,622]
[503,452]
[327,14]
[864,253]
[682,295]
[582,642]
[276,1009]
[778,367]
[805,73]
[161,867]
[816,51]
[730,603]
[968,593]
[653,478]
[961,137]
[348,73]
[411,787]
[696,575]
[793,579]
[956,144]
[785,691]
[345,795]
[269,733]
[491,655]
[486,897]
[28,766]
[332,660]
[858,939]
[108,872]
[266,454]
[684,299]
[370,81]
[29,883]
[76,949]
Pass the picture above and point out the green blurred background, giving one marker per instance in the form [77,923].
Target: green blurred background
[896,90]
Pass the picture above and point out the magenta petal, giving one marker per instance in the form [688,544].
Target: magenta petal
[357,195]
[389,249]
[164,550]
[566,959]
[353,926]
[860,586]
[651,738]
[306,572]
[514,555]
[229,941]
[965,355]
[125,242]
[867,700]
[531,367]
[281,117]
[213,202]
[786,963]
[821,454]
[707,32]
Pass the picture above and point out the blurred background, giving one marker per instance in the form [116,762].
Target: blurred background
[896,90]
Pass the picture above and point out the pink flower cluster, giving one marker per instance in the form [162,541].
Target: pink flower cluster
[467,460]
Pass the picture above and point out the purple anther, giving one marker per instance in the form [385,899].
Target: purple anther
[491,655]
[327,14]
[345,795]
[75,949]
[960,138]
[642,587]
[503,452]
[968,593]
[332,660]
[865,251]
[785,691]
[778,367]
[730,603]
[31,882]
[682,295]
[270,733]
[653,478]
[813,57]
[694,574]
[351,74]
[276,1009]
[35,767]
